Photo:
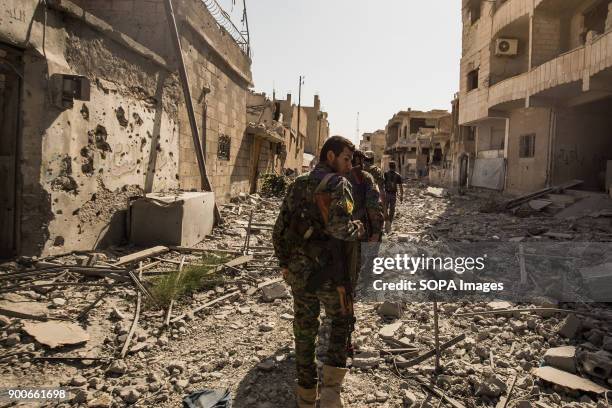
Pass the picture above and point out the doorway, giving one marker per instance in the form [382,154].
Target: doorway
[10,86]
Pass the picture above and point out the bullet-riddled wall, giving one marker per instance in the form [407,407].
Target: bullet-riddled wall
[77,166]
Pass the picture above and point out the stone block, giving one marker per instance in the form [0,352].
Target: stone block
[597,364]
[563,358]
[569,326]
[183,219]
[390,310]
[275,291]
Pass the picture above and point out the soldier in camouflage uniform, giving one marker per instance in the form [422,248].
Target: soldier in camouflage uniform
[317,211]
[378,175]
[368,207]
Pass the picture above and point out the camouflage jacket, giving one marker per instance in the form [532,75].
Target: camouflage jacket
[301,225]
[378,175]
[368,207]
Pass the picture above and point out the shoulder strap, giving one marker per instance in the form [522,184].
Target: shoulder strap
[324,182]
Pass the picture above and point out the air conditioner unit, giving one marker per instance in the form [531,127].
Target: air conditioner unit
[506,47]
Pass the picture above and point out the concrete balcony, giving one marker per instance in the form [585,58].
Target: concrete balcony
[564,78]
[510,12]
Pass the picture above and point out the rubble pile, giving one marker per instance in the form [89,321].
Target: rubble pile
[122,350]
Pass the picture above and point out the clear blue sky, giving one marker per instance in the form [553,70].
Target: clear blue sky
[375,57]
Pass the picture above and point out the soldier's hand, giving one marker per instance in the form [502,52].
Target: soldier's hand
[360,229]
[285,272]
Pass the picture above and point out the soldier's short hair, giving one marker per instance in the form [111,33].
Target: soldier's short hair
[392,165]
[335,144]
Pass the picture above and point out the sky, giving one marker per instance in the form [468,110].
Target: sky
[375,57]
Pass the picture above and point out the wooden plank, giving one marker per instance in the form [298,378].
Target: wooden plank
[205,305]
[140,255]
[431,353]
[128,340]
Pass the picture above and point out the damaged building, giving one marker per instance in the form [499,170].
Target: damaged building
[92,115]
[415,140]
[278,147]
[536,94]
[375,142]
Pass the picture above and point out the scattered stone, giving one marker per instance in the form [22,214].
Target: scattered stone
[381,396]
[492,387]
[177,365]
[563,358]
[116,314]
[4,321]
[129,395]
[118,367]
[81,397]
[274,291]
[390,310]
[365,359]
[388,331]
[266,327]
[569,326]
[12,340]
[78,381]
[286,316]
[436,192]
[56,334]
[409,400]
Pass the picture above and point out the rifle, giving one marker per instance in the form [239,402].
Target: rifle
[343,276]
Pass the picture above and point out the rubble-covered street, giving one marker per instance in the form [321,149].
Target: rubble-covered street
[241,335]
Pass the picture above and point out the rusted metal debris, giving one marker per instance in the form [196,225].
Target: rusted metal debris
[430,353]
[128,340]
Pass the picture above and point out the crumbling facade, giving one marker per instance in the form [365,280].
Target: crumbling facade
[93,115]
[536,92]
[375,142]
[317,127]
[415,139]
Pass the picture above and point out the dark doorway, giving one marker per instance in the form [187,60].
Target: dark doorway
[10,85]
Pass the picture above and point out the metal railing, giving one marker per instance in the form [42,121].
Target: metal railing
[224,21]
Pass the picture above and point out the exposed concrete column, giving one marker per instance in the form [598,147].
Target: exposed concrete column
[530,50]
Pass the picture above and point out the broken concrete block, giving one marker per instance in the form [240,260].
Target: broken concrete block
[597,364]
[563,358]
[523,404]
[388,331]
[23,310]
[569,326]
[436,192]
[275,291]
[491,387]
[390,310]
[56,334]
[365,359]
[182,219]
[598,280]
[565,379]
[118,367]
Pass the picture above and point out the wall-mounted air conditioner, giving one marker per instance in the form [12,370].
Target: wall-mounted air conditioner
[506,47]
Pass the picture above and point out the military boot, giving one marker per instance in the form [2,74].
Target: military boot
[306,397]
[329,397]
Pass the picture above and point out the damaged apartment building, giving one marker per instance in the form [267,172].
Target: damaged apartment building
[92,115]
[286,137]
[535,95]
[417,141]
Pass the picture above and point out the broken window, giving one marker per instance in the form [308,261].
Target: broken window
[595,17]
[527,147]
[472,80]
[223,150]
[471,134]
[474,10]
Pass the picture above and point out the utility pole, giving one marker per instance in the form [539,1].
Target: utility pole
[299,105]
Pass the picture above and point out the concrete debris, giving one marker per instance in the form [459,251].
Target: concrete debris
[491,387]
[598,364]
[275,291]
[24,310]
[437,192]
[569,327]
[366,359]
[56,334]
[390,310]
[388,331]
[563,358]
[567,380]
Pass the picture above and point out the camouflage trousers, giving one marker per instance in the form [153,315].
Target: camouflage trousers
[390,204]
[307,307]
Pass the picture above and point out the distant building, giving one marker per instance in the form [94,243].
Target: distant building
[375,142]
